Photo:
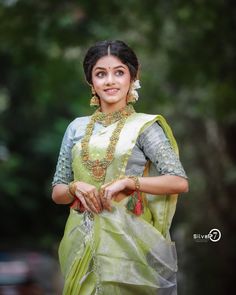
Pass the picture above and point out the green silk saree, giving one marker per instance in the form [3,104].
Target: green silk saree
[118,252]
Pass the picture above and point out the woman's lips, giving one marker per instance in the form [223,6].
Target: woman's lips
[111,91]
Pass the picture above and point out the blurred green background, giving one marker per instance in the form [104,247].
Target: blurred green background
[187,51]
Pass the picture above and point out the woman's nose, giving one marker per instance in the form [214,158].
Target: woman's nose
[110,79]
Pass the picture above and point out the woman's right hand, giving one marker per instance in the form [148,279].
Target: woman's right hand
[88,195]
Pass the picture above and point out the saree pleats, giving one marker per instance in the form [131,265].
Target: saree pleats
[130,254]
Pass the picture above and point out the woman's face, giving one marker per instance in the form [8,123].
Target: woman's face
[111,81]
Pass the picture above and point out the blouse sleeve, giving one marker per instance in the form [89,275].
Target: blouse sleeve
[156,147]
[64,173]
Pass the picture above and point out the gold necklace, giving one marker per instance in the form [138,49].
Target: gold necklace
[110,118]
[97,167]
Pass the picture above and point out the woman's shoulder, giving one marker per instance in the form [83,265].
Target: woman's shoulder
[151,116]
[154,127]
[154,121]
[75,128]
[78,122]
[152,131]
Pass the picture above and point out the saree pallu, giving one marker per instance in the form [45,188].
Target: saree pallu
[118,252]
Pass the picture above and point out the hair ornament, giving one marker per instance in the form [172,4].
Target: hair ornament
[133,93]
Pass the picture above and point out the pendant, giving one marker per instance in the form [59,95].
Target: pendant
[98,171]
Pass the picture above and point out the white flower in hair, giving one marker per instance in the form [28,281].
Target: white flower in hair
[137,84]
[133,91]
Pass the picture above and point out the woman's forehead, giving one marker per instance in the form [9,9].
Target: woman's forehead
[109,62]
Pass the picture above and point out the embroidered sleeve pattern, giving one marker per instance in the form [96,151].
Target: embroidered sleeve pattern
[157,148]
[167,162]
[64,172]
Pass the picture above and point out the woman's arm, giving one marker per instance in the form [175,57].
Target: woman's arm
[60,194]
[83,192]
[172,179]
[158,185]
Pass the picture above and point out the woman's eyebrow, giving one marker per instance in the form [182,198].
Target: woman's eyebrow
[119,67]
[101,68]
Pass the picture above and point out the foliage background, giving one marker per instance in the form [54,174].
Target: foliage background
[187,52]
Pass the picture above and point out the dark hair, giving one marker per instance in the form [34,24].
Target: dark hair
[116,48]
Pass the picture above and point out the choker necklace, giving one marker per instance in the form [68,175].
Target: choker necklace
[110,118]
[97,167]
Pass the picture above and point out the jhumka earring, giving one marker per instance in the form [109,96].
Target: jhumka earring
[133,93]
[94,101]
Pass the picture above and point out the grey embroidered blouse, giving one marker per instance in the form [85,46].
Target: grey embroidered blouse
[152,144]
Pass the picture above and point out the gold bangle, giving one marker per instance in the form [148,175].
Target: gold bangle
[136,182]
[70,191]
[71,187]
[134,178]
[69,195]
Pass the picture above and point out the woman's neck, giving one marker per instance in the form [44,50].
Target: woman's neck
[111,108]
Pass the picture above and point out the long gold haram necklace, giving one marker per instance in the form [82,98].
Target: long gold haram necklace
[97,167]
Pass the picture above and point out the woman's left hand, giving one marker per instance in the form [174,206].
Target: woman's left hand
[111,190]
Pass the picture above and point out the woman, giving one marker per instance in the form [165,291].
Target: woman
[120,172]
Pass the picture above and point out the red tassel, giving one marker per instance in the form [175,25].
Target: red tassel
[138,209]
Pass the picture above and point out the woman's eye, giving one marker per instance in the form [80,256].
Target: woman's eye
[119,73]
[100,74]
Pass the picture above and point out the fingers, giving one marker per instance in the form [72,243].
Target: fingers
[89,200]
[95,201]
[82,199]
[106,196]
[92,202]
[102,198]
[98,200]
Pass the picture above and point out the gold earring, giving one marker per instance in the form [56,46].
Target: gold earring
[94,101]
